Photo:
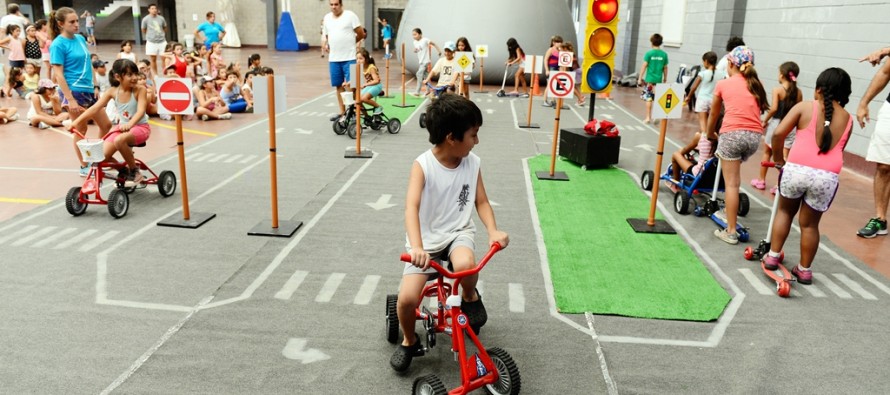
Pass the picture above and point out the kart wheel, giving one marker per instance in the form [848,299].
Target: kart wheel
[339,127]
[509,381]
[429,385]
[749,253]
[744,237]
[501,93]
[681,202]
[73,204]
[167,183]
[392,319]
[647,179]
[350,129]
[783,288]
[423,120]
[118,203]
[394,126]
[744,204]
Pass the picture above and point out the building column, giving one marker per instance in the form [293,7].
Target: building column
[729,20]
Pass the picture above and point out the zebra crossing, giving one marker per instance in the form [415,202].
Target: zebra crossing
[360,290]
[55,238]
[214,157]
[825,285]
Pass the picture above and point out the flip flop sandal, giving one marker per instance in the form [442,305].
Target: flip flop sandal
[402,357]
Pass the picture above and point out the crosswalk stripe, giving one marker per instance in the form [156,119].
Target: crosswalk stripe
[218,157]
[13,235]
[291,285]
[194,156]
[854,286]
[813,290]
[247,159]
[202,158]
[233,158]
[823,279]
[517,298]
[755,282]
[330,287]
[76,239]
[53,237]
[366,291]
[98,241]
[34,235]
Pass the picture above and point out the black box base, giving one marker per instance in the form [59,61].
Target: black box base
[557,175]
[195,220]
[588,150]
[529,126]
[640,225]
[284,229]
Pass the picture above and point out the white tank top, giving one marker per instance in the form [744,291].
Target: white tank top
[447,201]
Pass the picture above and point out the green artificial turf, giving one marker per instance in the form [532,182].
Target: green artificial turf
[598,263]
[402,114]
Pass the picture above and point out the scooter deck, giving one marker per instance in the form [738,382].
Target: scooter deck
[783,281]
[720,220]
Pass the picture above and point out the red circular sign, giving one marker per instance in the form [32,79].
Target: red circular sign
[175,96]
[562,84]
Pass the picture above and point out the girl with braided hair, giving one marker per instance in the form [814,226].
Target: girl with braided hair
[744,100]
[808,182]
[785,96]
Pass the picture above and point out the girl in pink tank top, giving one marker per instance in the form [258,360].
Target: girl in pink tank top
[809,180]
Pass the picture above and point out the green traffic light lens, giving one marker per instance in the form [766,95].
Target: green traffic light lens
[604,11]
[601,42]
[599,75]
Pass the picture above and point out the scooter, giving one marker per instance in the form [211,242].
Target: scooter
[783,280]
[712,209]
[502,93]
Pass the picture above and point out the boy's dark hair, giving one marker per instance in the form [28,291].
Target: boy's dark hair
[267,70]
[145,62]
[170,67]
[451,114]
[121,67]
[656,40]
[734,41]
[418,31]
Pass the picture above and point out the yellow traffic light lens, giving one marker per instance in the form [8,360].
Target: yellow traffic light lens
[605,11]
[601,42]
[599,75]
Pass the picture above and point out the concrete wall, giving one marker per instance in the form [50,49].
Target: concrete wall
[250,18]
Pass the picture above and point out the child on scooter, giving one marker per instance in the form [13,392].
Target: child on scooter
[130,101]
[444,186]
[785,96]
[809,179]
[745,99]
[445,70]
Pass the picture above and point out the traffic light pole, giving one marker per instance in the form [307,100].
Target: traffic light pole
[591,111]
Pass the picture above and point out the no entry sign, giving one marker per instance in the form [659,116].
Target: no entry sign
[175,96]
[561,84]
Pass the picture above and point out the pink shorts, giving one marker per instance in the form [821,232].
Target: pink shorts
[140,132]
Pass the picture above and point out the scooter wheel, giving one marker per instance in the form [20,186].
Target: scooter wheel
[749,253]
[783,289]
[743,237]
[500,93]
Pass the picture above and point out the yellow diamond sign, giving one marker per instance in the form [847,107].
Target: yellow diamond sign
[464,61]
[670,101]
[482,51]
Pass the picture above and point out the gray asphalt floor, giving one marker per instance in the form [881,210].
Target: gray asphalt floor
[97,305]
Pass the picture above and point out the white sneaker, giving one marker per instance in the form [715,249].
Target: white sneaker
[14,117]
[227,115]
[67,124]
[42,126]
[204,117]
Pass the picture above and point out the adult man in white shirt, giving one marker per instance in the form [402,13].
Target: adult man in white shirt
[13,17]
[342,30]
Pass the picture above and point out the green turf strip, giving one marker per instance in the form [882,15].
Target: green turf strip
[402,114]
[598,263]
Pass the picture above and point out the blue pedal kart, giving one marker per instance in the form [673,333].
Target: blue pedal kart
[699,194]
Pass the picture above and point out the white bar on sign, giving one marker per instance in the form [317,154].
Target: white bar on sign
[174,96]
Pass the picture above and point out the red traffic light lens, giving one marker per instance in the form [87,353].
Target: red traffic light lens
[604,11]
[601,42]
[599,76]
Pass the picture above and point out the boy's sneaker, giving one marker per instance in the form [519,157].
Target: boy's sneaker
[803,276]
[227,115]
[133,179]
[771,262]
[378,110]
[723,234]
[42,125]
[204,117]
[402,357]
[85,170]
[475,312]
[166,117]
[66,124]
[874,227]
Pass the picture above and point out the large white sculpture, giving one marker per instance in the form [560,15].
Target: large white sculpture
[227,19]
[491,22]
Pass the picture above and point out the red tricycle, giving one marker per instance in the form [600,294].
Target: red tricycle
[491,368]
[118,202]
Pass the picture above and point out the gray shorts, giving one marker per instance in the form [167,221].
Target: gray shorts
[738,144]
[462,240]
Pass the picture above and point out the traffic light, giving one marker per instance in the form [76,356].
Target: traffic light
[599,51]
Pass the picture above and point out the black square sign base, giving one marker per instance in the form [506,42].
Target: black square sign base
[284,229]
[640,225]
[365,154]
[195,220]
[557,175]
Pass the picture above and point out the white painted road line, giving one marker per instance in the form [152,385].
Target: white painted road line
[202,158]
[233,158]
[98,241]
[34,235]
[218,157]
[53,237]
[291,285]
[517,298]
[755,282]
[13,235]
[247,159]
[76,239]
[366,291]
[330,287]
[854,286]
[823,279]
[813,290]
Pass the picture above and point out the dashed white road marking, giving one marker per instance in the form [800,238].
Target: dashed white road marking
[755,282]
[76,239]
[517,298]
[18,233]
[330,287]
[291,285]
[98,241]
[823,279]
[34,235]
[53,237]
[854,286]
[366,291]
